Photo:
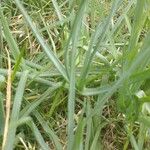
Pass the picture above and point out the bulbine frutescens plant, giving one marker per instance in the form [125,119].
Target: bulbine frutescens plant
[94,62]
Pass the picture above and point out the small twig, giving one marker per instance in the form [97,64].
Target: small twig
[8,102]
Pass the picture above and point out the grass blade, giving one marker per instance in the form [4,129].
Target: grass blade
[15,112]
[41,41]
[135,33]
[38,136]
[1,114]
[30,107]
[9,38]
[71,97]
[58,11]
[47,129]
[32,77]
[96,39]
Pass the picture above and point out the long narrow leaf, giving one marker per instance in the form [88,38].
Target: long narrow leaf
[38,136]
[15,111]
[1,114]
[71,97]
[41,41]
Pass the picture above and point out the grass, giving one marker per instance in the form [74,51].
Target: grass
[79,74]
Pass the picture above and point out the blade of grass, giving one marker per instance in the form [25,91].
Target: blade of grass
[139,20]
[137,77]
[17,65]
[96,91]
[2,82]
[122,17]
[28,63]
[2,114]
[71,97]
[12,44]
[94,145]
[96,38]
[56,102]
[74,36]
[8,103]
[142,57]
[132,139]
[79,134]
[78,142]
[41,41]
[143,54]
[47,129]
[30,107]
[140,76]
[15,112]
[32,77]
[58,11]
[133,142]
[145,120]
[49,34]
[9,38]
[38,136]
[23,120]
[88,126]
[141,136]
[1,45]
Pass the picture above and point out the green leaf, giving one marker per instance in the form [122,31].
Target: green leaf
[74,36]
[47,129]
[2,121]
[15,111]
[41,41]
[38,136]
[58,11]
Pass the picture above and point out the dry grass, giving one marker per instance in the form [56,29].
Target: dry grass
[8,101]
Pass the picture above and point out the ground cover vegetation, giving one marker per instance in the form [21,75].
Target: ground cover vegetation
[75,74]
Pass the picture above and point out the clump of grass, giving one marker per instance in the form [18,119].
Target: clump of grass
[82,74]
